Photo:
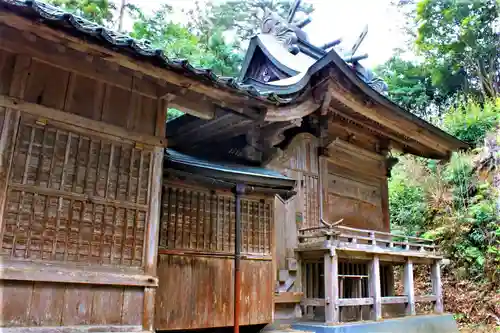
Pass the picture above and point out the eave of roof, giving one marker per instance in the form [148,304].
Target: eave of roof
[226,171]
[274,94]
[86,30]
[454,143]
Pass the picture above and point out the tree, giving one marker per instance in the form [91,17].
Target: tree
[462,33]
[98,11]
[242,17]
[177,41]
[423,89]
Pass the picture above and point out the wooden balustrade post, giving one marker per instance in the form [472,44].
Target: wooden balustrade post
[408,287]
[332,314]
[375,288]
[373,241]
[436,286]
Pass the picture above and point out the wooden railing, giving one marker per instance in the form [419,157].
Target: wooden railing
[352,236]
[337,239]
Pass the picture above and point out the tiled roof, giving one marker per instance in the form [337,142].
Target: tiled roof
[141,49]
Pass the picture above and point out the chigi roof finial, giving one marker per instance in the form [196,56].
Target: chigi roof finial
[293,10]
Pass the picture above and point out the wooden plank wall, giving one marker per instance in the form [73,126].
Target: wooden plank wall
[76,166]
[197,291]
[299,161]
[196,259]
[354,187]
[64,304]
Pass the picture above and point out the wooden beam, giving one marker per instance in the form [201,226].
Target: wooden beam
[312,302]
[332,313]
[74,329]
[197,107]
[69,273]
[225,95]
[75,121]
[375,292]
[48,52]
[385,117]
[394,300]
[152,235]
[293,111]
[409,287]
[425,299]
[355,301]
[436,286]
[288,297]
[397,141]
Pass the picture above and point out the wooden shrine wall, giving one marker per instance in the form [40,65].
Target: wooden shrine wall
[196,259]
[80,173]
[355,187]
[298,161]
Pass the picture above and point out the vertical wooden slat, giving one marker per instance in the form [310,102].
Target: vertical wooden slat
[178,201]
[375,287]
[192,219]
[331,288]
[408,287]
[25,178]
[9,134]
[110,166]
[152,230]
[131,313]
[205,221]
[16,302]
[198,222]
[436,286]
[47,304]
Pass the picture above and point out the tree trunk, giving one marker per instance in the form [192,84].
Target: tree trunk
[485,80]
[122,14]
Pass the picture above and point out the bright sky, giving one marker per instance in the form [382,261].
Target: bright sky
[334,19]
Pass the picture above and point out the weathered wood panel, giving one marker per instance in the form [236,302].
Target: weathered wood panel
[201,220]
[197,292]
[75,186]
[131,106]
[75,197]
[353,187]
[300,161]
[28,304]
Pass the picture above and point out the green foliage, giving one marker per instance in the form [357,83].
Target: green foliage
[98,11]
[471,121]
[417,87]
[407,204]
[242,17]
[178,41]
[458,175]
[462,34]
[173,113]
[453,205]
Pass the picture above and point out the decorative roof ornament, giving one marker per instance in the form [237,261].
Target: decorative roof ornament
[375,82]
[285,32]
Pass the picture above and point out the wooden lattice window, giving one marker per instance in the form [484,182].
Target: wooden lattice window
[200,220]
[76,198]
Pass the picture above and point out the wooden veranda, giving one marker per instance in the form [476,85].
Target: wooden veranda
[351,258]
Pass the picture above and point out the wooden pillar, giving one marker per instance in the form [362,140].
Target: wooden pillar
[8,135]
[153,229]
[390,280]
[375,290]
[436,286]
[408,287]
[332,313]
